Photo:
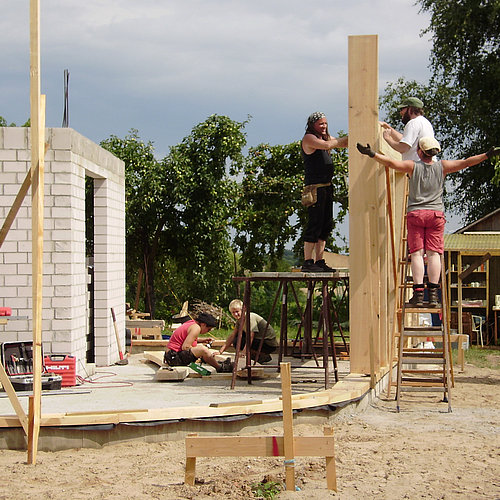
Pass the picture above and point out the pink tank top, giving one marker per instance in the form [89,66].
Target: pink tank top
[179,336]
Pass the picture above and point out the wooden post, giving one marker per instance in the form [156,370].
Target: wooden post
[37,102]
[331,473]
[363,181]
[190,474]
[286,391]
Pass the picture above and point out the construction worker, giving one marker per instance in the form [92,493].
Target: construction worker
[258,329]
[318,165]
[186,346]
[425,211]
[416,127]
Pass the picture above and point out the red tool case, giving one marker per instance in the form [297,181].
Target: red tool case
[64,365]
[17,359]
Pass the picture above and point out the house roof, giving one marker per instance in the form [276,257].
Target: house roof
[471,226]
[487,242]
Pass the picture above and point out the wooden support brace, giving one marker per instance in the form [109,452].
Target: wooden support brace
[474,266]
[14,400]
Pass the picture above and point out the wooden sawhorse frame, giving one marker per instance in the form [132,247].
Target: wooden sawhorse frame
[286,282]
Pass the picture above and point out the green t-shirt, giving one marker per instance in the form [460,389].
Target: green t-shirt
[258,327]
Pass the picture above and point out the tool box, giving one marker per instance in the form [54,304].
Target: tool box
[64,365]
[17,359]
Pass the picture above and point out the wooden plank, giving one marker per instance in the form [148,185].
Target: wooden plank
[363,127]
[37,120]
[14,400]
[475,265]
[331,473]
[23,191]
[286,394]
[257,446]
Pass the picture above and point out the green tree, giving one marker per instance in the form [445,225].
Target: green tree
[462,97]
[150,210]
[269,213]
[203,167]
[4,123]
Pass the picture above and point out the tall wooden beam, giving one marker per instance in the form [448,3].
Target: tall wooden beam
[37,102]
[364,246]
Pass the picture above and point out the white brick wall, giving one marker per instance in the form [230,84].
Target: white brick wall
[69,159]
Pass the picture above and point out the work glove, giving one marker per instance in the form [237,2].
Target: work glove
[494,151]
[367,150]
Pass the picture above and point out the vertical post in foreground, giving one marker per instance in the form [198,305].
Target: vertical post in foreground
[37,102]
[363,199]
[286,396]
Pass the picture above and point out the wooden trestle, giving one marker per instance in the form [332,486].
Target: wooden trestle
[304,339]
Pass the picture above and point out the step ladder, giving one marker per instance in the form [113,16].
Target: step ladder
[419,368]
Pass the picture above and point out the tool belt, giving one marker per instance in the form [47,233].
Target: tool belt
[309,195]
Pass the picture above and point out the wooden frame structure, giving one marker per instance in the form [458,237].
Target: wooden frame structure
[372,287]
[286,446]
[286,286]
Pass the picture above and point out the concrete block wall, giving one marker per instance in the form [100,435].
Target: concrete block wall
[69,159]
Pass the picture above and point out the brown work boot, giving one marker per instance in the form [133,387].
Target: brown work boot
[433,289]
[418,296]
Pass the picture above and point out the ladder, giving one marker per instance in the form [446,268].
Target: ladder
[419,368]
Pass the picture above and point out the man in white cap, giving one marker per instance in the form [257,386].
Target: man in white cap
[425,213]
[416,127]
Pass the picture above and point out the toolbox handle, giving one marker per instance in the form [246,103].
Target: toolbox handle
[57,357]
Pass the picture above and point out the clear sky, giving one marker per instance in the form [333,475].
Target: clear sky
[162,67]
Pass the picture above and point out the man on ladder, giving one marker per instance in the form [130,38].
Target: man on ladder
[425,212]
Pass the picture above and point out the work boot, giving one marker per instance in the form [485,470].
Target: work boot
[418,296]
[226,366]
[264,358]
[326,268]
[310,267]
[433,289]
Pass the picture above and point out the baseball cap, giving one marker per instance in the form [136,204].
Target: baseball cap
[411,101]
[429,145]
[208,319]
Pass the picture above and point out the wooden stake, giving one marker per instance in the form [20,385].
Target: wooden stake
[331,473]
[286,391]
[37,102]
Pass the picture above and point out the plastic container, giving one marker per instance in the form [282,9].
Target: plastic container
[63,365]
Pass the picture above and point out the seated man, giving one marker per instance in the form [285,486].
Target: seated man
[186,346]
[258,329]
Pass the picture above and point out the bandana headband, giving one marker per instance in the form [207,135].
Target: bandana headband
[314,117]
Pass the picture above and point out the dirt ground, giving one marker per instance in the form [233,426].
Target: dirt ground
[421,452]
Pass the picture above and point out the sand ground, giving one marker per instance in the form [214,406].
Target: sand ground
[421,452]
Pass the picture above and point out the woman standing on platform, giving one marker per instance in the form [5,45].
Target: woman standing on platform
[318,165]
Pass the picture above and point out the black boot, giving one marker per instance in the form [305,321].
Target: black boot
[310,267]
[324,266]
[433,289]
[418,296]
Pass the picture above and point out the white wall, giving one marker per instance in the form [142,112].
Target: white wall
[69,159]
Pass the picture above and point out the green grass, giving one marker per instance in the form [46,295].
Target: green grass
[482,358]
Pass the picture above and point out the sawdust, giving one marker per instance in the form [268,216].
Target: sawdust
[421,452]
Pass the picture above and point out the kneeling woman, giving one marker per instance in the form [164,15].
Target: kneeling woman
[186,346]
